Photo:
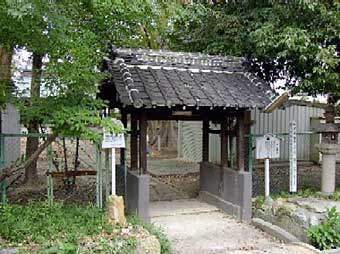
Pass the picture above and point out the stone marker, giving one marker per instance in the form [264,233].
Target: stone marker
[115,210]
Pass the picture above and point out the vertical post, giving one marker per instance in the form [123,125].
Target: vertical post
[134,142]
[123,153]
[205,141]
[49,177]
[99,182]
[158,142]
[143,144]
[266,178]
[231,150]
[240,140]
[2,150]
[4,191]
[250,153]
[123,150]
[224,144]
[113,171]
[179,140]
[100,167]
[107,173]
[292,157]
[247,140]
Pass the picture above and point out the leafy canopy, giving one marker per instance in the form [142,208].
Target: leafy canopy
[73,36]
[297,41]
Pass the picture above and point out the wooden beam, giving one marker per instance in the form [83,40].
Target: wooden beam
[205,141]
[134,143]
[224,144]
[143,127]
[163,113]
[214,131]
[240,144]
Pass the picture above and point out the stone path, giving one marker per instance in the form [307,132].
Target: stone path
[194,227]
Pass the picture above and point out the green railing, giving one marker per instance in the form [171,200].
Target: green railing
[102,173]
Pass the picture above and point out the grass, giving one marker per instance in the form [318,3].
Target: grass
[304,193]
[62,229]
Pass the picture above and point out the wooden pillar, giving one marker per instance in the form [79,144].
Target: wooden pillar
[143,128]
[205,141]
[224,143]
[247,147]
[123,150]
[134,143]
[240,144]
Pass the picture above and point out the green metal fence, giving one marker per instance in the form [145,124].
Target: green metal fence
[66,158]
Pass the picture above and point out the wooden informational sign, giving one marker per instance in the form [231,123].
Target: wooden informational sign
[292,157]
[113,140]
[267,147]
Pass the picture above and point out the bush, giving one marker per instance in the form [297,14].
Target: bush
[327,234]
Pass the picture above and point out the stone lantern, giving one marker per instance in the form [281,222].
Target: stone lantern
[329,147]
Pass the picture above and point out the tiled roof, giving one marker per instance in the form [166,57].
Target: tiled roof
[153,78]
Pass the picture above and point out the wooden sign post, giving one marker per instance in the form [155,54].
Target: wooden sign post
[113,141]
[267,147]
[292,157]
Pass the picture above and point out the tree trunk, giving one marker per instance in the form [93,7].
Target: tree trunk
[32,145]
[5,72]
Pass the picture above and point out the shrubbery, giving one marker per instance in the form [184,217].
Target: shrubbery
[61,229]
[327,234]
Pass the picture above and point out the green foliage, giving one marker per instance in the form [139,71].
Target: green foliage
[297,41]
[38,222]
[258,202]
[327,234]
[74,36]
[60,229]
[154,230]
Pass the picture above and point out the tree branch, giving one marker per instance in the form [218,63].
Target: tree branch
[7,171]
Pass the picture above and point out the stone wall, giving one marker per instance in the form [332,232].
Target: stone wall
[296,215]
[230,190]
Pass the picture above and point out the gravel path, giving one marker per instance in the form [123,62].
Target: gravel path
[194,227]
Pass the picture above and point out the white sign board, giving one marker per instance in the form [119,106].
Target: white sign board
[113,140]
[267,147]
[292,157]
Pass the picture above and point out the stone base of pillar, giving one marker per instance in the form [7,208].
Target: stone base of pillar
[328,152]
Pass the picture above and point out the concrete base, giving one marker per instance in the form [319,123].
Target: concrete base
[329,152]
[138,195]
[230,190]
[275,231]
